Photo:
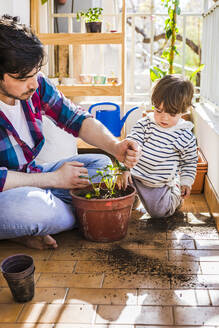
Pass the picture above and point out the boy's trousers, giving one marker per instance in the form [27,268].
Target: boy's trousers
[160,201]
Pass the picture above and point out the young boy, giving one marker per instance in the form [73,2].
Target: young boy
[166,169]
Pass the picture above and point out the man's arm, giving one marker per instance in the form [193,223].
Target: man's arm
[66,177]
[96,134]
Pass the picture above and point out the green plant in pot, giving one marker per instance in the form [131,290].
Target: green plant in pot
[102,210]
[92,18]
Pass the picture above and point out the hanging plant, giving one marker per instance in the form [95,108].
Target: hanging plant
[170,32]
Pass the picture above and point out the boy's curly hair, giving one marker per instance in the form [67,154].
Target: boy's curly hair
[174,92]
[20,50]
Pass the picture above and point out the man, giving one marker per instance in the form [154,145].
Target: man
[35,200]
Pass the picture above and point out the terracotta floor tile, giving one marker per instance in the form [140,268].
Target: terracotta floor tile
[173,297]
[196,281]
[102,296]
[214,295]
[135,281]
[36,254]
[210,267]
[134,314]
[70,280]
[92,266]
[184,267]
[5,296]
[194,255]
[72,254]
[55,266]
[194,233]
[196,315]
[49,295]
[27,325]
[52,313]
[207,244]
[160,254]
[165,244]
[10,312]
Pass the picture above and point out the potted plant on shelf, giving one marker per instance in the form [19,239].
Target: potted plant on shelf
[102,210]
[92,19]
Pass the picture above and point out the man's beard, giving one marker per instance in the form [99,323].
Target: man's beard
[23,96]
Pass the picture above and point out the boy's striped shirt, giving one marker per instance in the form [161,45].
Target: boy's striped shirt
[166,153]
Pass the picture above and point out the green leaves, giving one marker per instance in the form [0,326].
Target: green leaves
[91,15]
[108,175]
[43,1]
[156,73]
[199,69]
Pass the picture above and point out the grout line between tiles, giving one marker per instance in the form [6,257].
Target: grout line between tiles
[19,314]
[66,294]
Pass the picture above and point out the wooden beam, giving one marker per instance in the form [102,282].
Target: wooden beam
[88,89]
[80,38]
[212,200]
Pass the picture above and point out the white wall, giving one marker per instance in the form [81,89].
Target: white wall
[207,132]
[19,8]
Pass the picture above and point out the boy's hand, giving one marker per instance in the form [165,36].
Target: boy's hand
[185,191]
[124,179]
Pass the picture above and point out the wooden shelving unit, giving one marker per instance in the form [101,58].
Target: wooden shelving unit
[80,39]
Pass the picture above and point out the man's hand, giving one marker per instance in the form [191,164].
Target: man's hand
[68,176]
[127,152]
[185,191]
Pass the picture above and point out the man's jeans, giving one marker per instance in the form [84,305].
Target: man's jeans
[30,211]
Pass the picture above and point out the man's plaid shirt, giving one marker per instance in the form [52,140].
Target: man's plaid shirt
[15,154]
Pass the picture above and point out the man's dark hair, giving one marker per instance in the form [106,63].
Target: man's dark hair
[174,92]
[20,50]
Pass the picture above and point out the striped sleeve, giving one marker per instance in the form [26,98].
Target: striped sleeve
[188,163]
[140,131]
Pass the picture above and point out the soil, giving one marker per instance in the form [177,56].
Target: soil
[105,193]
[125,262]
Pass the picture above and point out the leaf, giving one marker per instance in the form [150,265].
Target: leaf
[178,10]
[156,73]
[43,1]
[168,33]
[199,69]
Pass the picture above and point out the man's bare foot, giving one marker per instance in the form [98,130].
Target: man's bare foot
[38,242]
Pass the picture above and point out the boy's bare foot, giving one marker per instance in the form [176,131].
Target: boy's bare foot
[37,242]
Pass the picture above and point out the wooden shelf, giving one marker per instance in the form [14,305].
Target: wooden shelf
[83,145]
[94,90]
[80,38]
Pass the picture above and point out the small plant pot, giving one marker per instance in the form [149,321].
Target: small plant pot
[54,80]
[104,220]
[86,79]
[112,80]
[18,270]
[61,2]
[93,27]
[99,79]
[67,81]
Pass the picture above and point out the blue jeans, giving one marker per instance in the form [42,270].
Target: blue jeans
[31,211]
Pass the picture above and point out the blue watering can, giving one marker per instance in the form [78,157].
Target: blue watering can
[111,117]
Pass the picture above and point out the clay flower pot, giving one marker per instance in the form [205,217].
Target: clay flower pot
[61,2]
[104,220]
[202,168]
[93,27]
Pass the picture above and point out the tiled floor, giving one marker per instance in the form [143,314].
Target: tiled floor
[165,273]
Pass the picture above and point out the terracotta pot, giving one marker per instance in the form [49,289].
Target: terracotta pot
[93,27]
[104,220]
[202,169]
[61,2]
